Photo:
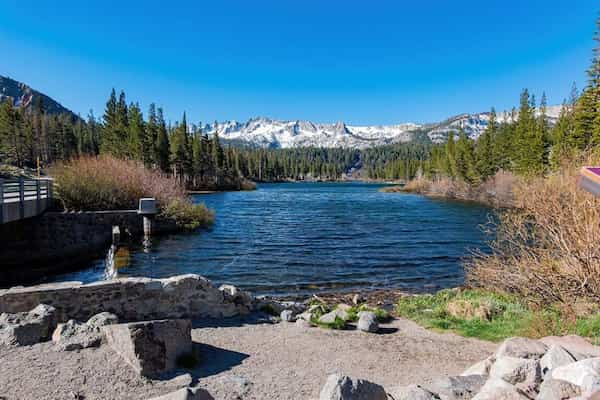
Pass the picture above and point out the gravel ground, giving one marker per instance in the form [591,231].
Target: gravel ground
[246,359]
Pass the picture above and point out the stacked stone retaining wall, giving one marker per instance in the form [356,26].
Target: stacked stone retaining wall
[131,299]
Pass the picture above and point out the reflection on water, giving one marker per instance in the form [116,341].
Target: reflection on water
[299,238]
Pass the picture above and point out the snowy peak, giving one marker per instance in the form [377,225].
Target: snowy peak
[269,133]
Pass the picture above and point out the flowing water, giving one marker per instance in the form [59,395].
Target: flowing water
[296,238]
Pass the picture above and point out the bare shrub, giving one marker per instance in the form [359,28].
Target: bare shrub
[495,191]
[108,183]
[547,247]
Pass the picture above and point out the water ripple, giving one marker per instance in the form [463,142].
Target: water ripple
[301,238]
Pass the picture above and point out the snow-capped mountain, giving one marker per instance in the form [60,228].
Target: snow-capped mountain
[265,132]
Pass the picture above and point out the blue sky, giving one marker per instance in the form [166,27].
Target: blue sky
[361,62]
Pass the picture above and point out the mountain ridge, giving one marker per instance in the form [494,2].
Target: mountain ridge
[266,132]
[271,133]
[23,95]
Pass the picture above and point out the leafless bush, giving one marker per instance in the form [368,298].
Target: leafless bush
[547,246]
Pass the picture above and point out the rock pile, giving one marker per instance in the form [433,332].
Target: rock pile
[552,368]
[27,328]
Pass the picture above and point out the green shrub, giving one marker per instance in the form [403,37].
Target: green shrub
[187,215]
[508,316]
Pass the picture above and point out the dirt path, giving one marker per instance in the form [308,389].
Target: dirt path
[248,360]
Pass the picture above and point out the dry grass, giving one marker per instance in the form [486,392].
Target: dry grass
[108,183]
[547,247]
[496,191]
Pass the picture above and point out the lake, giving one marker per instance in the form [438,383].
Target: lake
[298,238]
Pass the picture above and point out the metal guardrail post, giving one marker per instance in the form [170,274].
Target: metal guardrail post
[1,201]
[38,205]
[22,198]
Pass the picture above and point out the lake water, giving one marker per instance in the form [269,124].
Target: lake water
[297,238]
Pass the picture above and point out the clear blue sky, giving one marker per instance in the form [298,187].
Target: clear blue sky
[363,62]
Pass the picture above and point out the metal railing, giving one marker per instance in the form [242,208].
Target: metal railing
[24,198]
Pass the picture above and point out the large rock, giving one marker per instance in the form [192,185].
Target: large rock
[287,316]
[480,368]
[521,348]
[331,316]
[341,387]
[577,346]
[411,392]
[242,299]
[367,321]
[73,335]
[457,387]
[498,389]
[151,347]
[186,394]
[556,356]
[524,373]
[27,328]
[553,389]
[584,373]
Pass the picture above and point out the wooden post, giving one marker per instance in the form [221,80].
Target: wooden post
[1,201]
[21,197]
[38,205]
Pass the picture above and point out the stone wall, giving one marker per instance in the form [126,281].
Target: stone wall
[59,241]
[132,299]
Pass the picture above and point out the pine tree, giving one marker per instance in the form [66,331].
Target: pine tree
[216,149]
[162,143]
[179,150]
[485,155]
[450,164]
[135,132]
[587,109]
[150,137]
[530,146]
[465,159]
[109,140]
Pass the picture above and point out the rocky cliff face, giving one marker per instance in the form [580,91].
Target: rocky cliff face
[24,96]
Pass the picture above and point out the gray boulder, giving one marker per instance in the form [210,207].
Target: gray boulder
[306,316]
[577,346]
[302,323]
[553,389]
[28,328]
[341,387]
[367,321]
[457,387]
[73,335]
[102,319]
[521,348]
[524,373]
[498,389]
[186,394]
[152,348]
[584,373]
[411,392]
[287,316]
[480,368]
[331,316]
[243,300]
[556,356]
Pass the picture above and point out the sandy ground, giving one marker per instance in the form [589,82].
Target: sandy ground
[246,359]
